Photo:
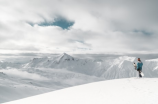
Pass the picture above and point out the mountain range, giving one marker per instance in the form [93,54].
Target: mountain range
[45,74]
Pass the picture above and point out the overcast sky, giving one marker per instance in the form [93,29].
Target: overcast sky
[79,26]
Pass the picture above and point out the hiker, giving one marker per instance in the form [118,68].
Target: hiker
[139,67]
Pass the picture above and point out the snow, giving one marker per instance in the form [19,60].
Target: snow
[87,66]
[118,91]
[153,60]
[16,83]
[64,57]
[49,73]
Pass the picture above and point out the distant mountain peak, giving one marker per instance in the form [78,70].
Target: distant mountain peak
[65,54]
[65,57]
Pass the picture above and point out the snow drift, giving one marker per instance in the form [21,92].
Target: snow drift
[120,91]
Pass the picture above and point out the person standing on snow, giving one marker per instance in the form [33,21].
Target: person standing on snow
[139,67]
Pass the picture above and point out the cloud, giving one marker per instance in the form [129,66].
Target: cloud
[22,74]
[98,26]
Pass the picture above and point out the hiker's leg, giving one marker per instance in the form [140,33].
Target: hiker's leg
[140,74]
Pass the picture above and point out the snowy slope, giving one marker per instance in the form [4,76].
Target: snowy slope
[13,87]
[152,65]
[121,67]
[120,91]
[16,84]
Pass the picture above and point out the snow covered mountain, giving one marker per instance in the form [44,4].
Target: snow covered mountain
[17,83]
[118,91]
[50,73]
[67,62]
[121,67]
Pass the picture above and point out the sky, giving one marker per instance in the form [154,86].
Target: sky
[78,26]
